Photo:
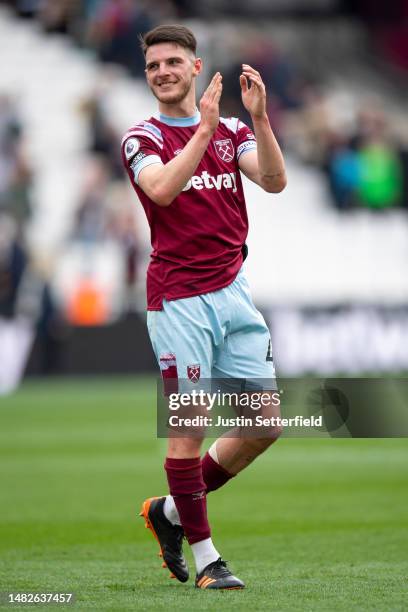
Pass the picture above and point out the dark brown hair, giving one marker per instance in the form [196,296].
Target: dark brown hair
[169,33]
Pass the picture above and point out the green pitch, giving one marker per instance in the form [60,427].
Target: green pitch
[312,525]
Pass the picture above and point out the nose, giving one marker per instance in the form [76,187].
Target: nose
[163,70]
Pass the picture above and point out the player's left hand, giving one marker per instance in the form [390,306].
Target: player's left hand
[253,97]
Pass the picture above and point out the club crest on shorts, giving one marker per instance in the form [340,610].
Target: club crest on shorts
[224,149]
[193,372]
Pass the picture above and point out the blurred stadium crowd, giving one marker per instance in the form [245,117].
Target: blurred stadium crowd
[361,152]
[365,161]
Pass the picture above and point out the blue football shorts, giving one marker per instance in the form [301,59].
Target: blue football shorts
[217,336]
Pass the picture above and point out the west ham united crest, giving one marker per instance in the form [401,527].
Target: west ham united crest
[193,372]
[224,149]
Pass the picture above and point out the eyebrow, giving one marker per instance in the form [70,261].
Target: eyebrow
[176,57]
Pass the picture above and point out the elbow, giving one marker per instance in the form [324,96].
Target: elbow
[280,185]
[277,185]
[161,198]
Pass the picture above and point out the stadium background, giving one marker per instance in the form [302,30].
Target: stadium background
[320,523]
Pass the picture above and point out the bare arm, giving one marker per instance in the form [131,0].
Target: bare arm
[266,166]
[162,183]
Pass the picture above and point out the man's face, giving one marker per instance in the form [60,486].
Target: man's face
[170,70]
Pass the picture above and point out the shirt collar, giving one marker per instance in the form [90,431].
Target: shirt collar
[181,121]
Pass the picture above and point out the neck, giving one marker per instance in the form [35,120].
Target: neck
[185,108]
[178,110]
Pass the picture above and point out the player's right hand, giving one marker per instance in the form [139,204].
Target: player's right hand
[209,104]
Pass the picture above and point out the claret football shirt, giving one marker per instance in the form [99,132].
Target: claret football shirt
[197,241]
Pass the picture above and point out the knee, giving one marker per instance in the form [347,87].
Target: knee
[261,444]
[184,448]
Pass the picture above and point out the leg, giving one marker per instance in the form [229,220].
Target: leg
[245,356]
[184,448]
[178,341]
[184,511]
[187,488]
[185,338]
[231,453]
[188,494]
[235,454]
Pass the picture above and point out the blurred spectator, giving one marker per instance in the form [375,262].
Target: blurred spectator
[90,224]
[16,332]
[104,140]
[388,22]
[26,8]
[51,329]
[88,304]
[380,183]
[15,174]
[122,227]
[307,129]
[344,173]
[365,169]
[13,261]
[57,15]
[281,78]
[107,213]
[114,30]
[278,70]
[403,156]
[26,304]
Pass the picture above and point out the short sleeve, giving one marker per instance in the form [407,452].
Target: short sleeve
[246,140]
[141,147]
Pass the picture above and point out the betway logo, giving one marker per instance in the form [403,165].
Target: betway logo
[205,180]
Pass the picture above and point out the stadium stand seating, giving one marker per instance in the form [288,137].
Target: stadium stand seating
[301,250]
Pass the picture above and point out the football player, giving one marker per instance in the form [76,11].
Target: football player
[185,165]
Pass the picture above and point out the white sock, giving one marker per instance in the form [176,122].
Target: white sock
[170,511]
[204,553]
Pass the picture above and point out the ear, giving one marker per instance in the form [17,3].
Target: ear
[197,66]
